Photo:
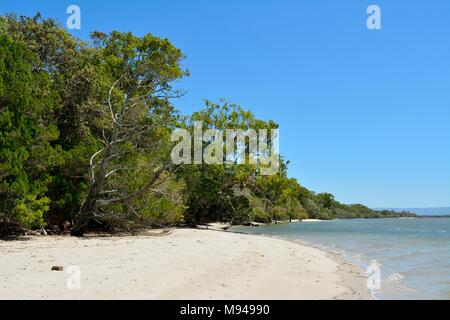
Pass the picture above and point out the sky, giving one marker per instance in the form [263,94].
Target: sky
[363,114]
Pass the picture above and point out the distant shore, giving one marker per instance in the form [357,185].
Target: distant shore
[179,264]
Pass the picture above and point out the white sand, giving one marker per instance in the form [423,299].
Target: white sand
[184,264]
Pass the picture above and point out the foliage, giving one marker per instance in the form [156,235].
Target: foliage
[27,130]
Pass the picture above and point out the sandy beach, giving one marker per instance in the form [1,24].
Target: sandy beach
[179,264]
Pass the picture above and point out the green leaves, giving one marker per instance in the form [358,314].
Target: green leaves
[29,211]
[27,130]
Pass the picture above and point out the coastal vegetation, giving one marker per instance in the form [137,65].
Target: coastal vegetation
[85,141]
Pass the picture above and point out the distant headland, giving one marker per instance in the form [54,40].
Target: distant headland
[437,211]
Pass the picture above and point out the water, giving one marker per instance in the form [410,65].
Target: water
[414,254]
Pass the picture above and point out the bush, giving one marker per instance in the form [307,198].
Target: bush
[29,211]
[260,215]
[279,213]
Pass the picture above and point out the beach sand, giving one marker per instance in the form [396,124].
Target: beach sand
[179,264]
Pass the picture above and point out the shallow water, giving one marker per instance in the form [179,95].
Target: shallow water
[413,254]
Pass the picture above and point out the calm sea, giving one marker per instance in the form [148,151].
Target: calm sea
[413,254]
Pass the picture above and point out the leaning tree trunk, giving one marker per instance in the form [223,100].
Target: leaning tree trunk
[97,181]
[85,215]
[120,132]
[90,206]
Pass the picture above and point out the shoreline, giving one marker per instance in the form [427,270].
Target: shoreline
[187,264]
[346,268]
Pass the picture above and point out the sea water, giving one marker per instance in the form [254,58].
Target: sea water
[413,253]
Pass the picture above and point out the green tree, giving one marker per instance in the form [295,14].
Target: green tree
[221,192]
[27,130]
[76,77]
[326,200]
[134,159]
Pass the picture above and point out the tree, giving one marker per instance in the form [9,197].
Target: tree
[27,129]
[326,200]
[221,192]
[134,160]
[75,76]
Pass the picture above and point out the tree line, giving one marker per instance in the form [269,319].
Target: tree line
[85,142]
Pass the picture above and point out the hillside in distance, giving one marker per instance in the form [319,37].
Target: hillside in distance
[440,211]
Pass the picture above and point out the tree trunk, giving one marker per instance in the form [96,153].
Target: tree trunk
[89,208]
[86,213]
[78,231]
[99,177]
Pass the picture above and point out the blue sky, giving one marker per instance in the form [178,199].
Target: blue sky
[363,114]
